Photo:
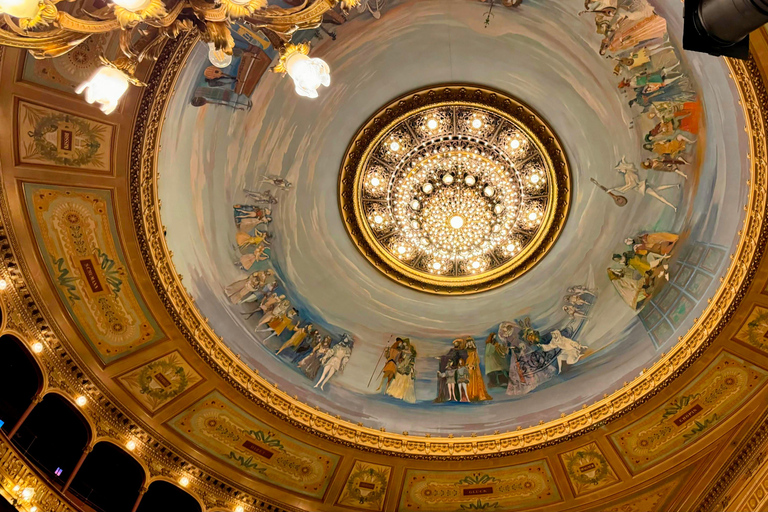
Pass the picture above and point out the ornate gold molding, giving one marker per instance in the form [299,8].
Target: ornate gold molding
[509,113]
[17,474]
[213,350]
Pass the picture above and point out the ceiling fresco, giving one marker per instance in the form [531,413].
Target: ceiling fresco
[250,192]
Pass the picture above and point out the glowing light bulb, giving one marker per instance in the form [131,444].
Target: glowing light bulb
[19,8]
[3,284]
[375,181]
[81,400]
[415,205]
[131,445]
[475,264]
[401,250]
[427,188]
[184,481]
[28,493]
[432,124]
[476,123]
[105,87]
[535,178]
[133,5]
[514,144]
[378,219]
[218,58]
[488,191]
[436,266]
[308,74]
[239,508]
[448,178]
[469,180]
[395,146]
[532,216]
[457,221]
[37,347]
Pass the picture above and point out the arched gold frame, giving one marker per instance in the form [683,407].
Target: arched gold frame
[396,111]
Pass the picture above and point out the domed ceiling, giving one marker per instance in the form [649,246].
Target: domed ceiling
[251,178]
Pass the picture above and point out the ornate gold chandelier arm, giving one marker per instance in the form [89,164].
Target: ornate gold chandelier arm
[50,45]
[69,22]
[287,21]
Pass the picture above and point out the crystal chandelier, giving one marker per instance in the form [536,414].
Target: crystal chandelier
[50,28]
[454,196]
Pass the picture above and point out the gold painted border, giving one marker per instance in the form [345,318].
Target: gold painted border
[444,95]
[213,350]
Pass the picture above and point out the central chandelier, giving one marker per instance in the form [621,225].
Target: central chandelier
[454,189]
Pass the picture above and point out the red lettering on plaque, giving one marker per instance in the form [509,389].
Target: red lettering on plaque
[65,140]
[258,450]
[91,276]
[477,491]
[687,415]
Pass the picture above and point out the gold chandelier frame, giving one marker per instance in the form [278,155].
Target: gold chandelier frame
[54,31]
[496,102]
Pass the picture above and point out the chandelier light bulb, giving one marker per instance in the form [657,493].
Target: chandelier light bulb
[3,284]
[81,400]
[456,222]
[37,347]
[239,508]
[375,181]
[514,144]
[28,493]
[19,8]
[105,87]
[308,74]
[131,445]
[432,124]
[218,58]
[184,481]
[133,5]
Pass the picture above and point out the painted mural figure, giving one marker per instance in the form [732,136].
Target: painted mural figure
[641,268]
[570,351]
[313,339]
[402,385]
[238,291]
[530,365]
[282,322]
[278,181]
[476,391]
[280,309]
[462,380]
[250,259]
[496,362]
[245,239]
[666,164]
[311,364]
[261,197]
[335,360]
[249,217]
[632,181]
[446,385]
[298,337]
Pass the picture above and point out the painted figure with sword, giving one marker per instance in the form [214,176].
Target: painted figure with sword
[398,374]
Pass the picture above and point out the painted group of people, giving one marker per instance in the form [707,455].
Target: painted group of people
[639,270]
[317,355]
[663,99]
[459,376]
